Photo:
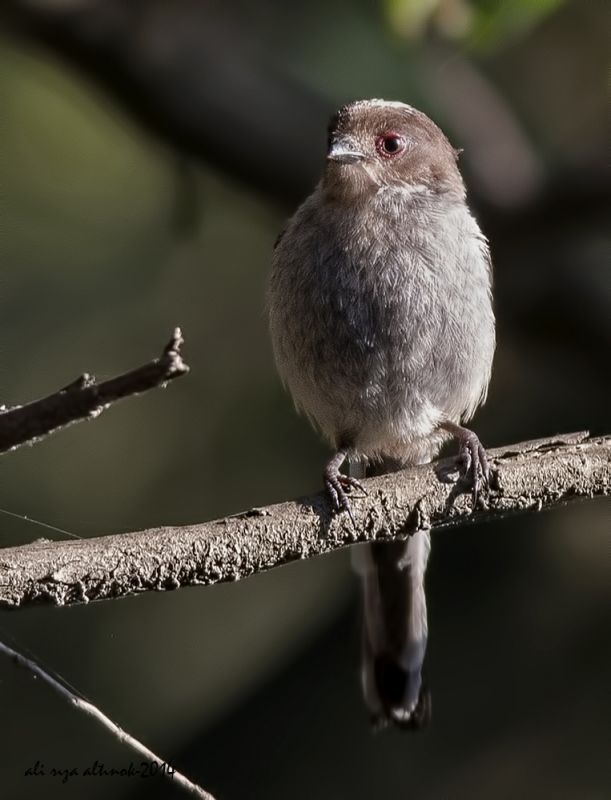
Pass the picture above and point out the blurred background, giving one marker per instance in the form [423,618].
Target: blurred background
[151,151]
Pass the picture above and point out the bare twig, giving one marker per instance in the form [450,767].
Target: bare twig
[86,399]
[88,708]
[526,477]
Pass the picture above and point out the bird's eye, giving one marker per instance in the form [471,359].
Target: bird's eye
[390,145]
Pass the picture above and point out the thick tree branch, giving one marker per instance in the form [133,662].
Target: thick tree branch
[526,477]
[88,708]
[86,399]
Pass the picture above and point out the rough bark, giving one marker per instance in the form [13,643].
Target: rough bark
[525,477]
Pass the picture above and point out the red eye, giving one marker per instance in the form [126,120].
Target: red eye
[390,144]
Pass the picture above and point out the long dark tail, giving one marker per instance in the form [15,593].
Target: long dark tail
[395,626]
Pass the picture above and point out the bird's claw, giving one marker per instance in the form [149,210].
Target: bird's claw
[336,484]
[475,469]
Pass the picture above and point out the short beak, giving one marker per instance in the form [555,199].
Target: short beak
[345,151]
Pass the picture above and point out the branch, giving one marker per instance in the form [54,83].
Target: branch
[525,477]
[88,708]
[86,399]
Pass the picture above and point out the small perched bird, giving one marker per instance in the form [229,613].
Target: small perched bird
[383,331]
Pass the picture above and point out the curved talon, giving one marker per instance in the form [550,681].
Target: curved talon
[485,466]
[348,482]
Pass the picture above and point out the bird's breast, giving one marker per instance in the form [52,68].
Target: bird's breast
[376,323]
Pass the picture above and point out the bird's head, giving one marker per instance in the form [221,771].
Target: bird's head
[376,144]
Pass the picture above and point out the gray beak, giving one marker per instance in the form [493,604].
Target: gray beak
[345,151]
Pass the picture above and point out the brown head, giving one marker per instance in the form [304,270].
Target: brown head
[375,144]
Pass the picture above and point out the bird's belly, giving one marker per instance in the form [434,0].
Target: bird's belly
[375,381]
[366,401]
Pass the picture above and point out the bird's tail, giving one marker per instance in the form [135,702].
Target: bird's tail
[395,626]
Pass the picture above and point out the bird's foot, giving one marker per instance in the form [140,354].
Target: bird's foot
[337,485]
[473,466]
[475,472]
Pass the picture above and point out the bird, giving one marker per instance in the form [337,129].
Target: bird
[383,331]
